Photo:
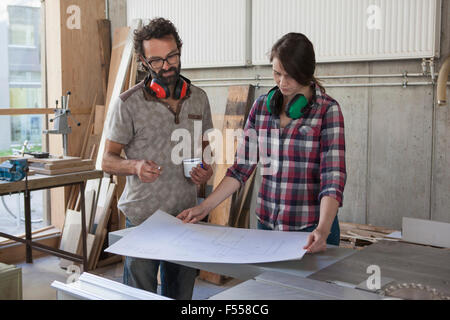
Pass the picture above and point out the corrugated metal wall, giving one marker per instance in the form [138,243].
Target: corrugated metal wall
[349,30]
[213,32]
[221,33]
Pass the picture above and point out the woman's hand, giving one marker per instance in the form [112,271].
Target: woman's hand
[201,175]
[193,215]
[317,241]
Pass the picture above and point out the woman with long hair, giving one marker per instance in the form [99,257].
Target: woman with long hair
[302,152]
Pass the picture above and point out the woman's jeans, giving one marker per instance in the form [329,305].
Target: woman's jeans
[333,238]
[177,281]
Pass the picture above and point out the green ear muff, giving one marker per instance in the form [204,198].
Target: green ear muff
[295,107]
[269,98]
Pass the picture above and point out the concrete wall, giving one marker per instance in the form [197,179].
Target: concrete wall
[398,150]
[440,199]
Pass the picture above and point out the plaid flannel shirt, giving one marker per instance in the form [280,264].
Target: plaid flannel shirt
[307,161]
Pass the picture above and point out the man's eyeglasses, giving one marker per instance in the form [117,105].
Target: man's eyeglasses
[159,62]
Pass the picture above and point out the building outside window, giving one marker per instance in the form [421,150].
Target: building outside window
[20,87]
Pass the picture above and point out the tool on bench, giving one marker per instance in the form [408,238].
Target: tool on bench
[61,124]
[39,154]
[25,150]
[13,169]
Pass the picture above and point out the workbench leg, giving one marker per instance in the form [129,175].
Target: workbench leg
[83,227]
[27,206]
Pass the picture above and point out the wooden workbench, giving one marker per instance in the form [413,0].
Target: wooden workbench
[39,182]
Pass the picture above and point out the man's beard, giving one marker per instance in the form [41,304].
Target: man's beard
[170,80]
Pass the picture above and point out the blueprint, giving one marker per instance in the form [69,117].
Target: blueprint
[164,237]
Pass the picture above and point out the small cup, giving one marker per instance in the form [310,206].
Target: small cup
[188,164]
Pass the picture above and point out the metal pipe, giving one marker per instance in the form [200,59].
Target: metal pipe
[227,84]
[442,83]
[257,77]
[226,79]
[337,85]
[399,75]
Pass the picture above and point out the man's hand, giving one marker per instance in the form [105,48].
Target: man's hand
[193,215]
[147,170]
[201,175]
[317,241]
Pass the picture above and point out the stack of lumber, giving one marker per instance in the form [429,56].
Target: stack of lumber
[60,165]
[100,199]
[357,236]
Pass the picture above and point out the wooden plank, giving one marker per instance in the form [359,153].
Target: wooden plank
[120,182]
[73,63]
[63,165]
[41,181]
[93,186]
[71,234]
[434,233]
[113,224]
[102,237]
[101,231]
[72,218]
[241,217]
[133,71]
[104,31]
[81,71]
[20,111]
[126,81]
[90,239]
[120,40]
[88,167]
[239,102]
[81,163]
[124,58]
[368,227]
[102,198]
[92,146]
[89,200]
[71,238]
[75,190]
[99,119]
[64,263]
[89,129]
[54,160]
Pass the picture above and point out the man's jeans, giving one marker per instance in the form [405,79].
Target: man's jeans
[333,238]
[177,281]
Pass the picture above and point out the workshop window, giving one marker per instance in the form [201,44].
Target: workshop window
[20,87]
